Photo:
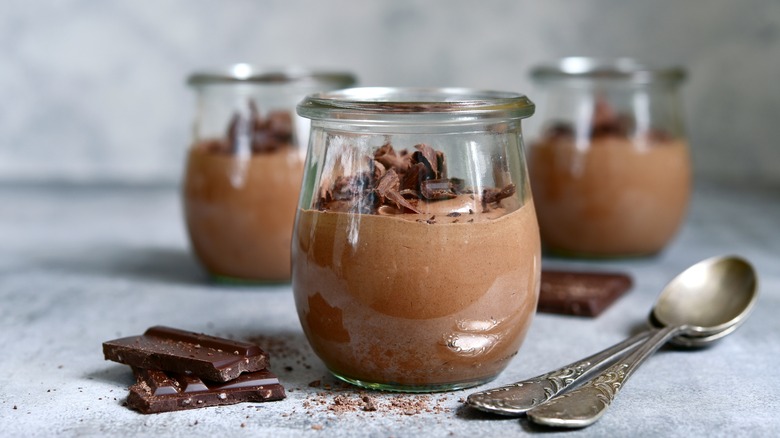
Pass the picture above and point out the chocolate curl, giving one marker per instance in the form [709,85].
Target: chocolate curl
[494,196]
[412,178]
[388,190]
[391,160]
[265,134]
[428,156]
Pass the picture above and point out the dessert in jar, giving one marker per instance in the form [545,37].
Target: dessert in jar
[610,169]
[244,168]
[416,251]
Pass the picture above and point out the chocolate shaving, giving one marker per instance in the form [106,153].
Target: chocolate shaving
[427,156]
[606,122]
[378,170]
[413,176]
[388,189]
[267,134]
[441,165]
[396,181]
[493,196]
[391,160]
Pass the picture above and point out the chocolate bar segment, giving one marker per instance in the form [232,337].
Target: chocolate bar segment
[158,391]
[580,293]
[179,351]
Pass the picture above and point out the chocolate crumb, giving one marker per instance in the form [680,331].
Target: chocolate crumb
[314,383]
[369,406]
[453,214]
[316,426]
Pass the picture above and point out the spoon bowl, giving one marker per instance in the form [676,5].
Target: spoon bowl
[709,297]
[694,341]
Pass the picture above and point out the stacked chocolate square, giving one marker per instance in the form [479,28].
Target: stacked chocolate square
[177,370]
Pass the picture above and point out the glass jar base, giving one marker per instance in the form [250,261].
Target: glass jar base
[395,387]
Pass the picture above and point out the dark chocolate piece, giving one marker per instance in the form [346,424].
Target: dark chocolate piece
[388,190]
[580,293]
[179,351]
[158,391]
[435,189]
[493,196]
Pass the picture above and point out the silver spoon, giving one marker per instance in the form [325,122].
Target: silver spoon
[517,398]
[705,301]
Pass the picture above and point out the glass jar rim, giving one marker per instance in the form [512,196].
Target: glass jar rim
[622,68]
[405,103]
[248,73]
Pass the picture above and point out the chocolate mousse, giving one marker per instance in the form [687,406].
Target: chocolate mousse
[613,191]
[407,279]
[240,197]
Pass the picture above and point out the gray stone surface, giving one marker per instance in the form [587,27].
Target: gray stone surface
[81,265]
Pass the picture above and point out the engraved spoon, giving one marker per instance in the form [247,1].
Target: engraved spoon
[705,302]
[517,398]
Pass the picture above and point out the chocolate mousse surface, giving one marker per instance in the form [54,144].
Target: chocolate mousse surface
[615,192]
[405,276]
[240,197]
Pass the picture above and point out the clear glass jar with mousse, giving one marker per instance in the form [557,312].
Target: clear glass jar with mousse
[610,168]
[245,166]
[416,250]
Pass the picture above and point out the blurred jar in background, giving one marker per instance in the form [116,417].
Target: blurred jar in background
[244,168]
[610,169]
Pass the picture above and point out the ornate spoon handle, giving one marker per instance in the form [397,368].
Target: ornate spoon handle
[586,404]
[517,398]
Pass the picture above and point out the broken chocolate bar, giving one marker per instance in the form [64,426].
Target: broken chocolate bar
[179,351]
[158,391]
[580,293]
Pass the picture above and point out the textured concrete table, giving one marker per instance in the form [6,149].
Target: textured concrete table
[81,265]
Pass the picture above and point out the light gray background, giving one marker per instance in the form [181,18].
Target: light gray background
[94,90]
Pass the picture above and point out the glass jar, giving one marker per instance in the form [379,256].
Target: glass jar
[416,252]
[245,166]
[610,169]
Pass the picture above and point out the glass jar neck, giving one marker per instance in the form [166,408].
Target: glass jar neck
[423,106]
